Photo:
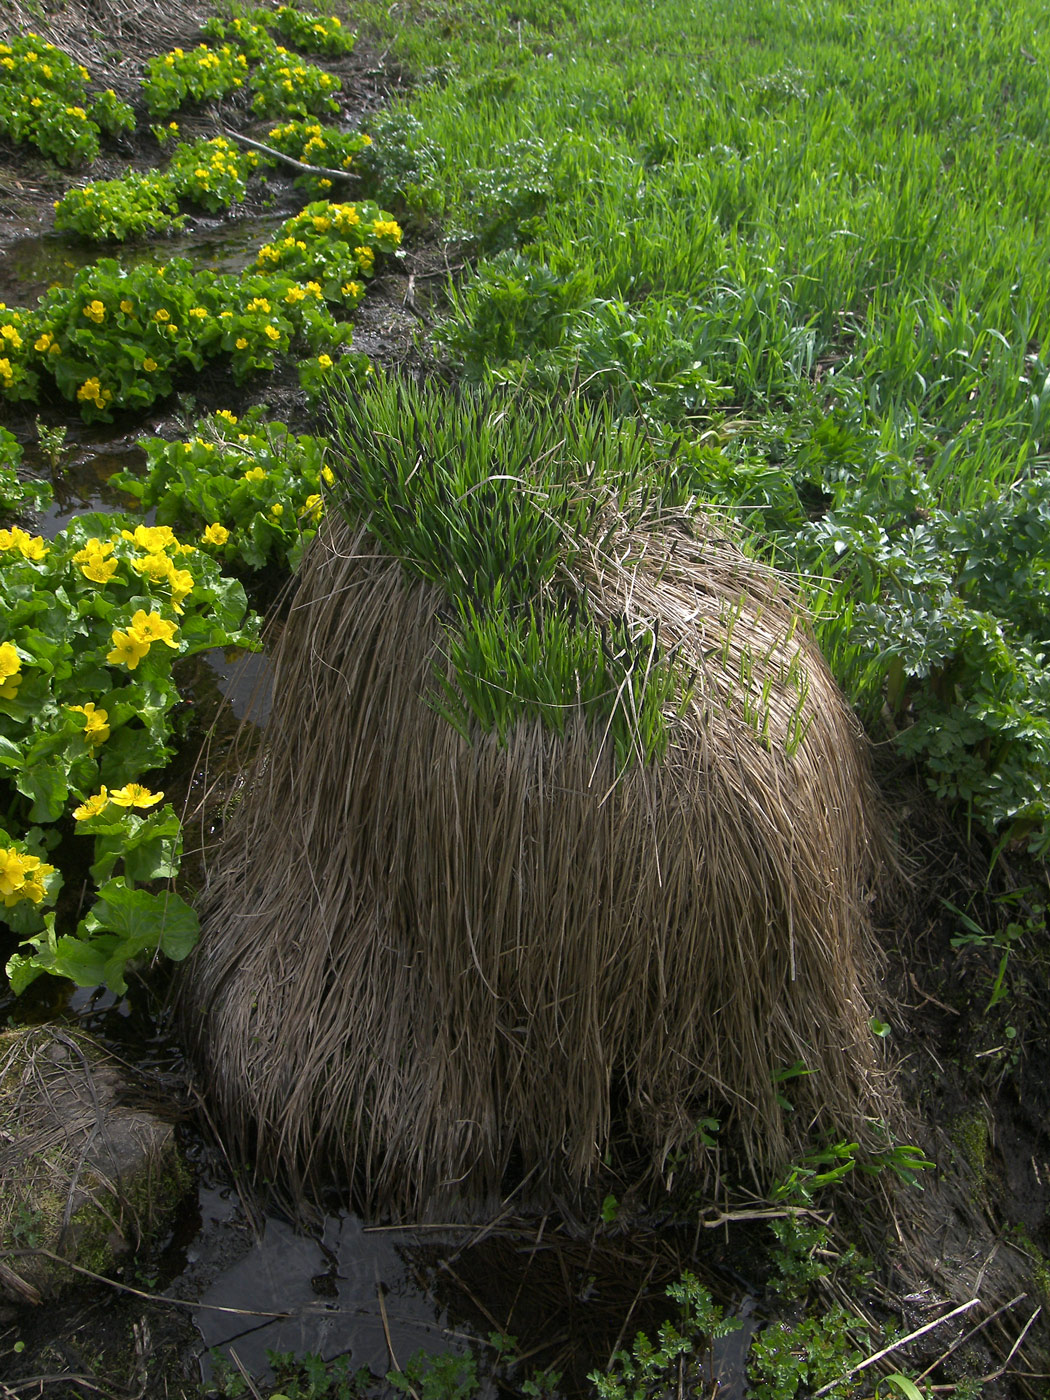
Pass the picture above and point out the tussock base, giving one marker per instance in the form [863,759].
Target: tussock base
[428,960]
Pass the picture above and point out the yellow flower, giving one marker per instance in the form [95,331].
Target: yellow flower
[229,417]
[387,228]
[200,312]
[29,546]
[9,333]
[32,886]
[9,688]
[181,586]
[90,389]
[91,806]
[259,304]
[95,311]
[96,727]
[127,307]
[135,795]
[215,534]
[255,474]
[277,510]
[162,315]
[149,364]
[128,649]
[324,184]
[241,343]
[325,361]
[43,342]
[12,870]
[99,570]
[272,333]
[328,476]
[312,507]
[153,538]
[156,567]
[10,661]
[151,627]
[22,876]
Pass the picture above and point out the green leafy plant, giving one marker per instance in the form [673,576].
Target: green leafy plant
[786,1361]
[311,33]
[314,144]
[1005,938]
[447,1376]
[247,490]
[110,113]
[284,86]
[133,206]
[203,73]
[649,1368]
[211,173]
[18,494]
[44,97]
[281,84]
[119,338]
[89,627]
[833,1163]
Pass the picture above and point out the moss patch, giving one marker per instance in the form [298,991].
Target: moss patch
[82,1175]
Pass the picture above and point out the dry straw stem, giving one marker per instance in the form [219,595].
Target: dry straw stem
[426,959]
[111,37]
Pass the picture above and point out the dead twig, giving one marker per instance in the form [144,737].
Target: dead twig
[960,1341]
[389,1340]
[994,1375]
[138,1292]
[282,159]
[896,1346]
[247,1378]
[18,1285]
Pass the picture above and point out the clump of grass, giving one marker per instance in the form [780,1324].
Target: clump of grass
[507,943]
[492,499]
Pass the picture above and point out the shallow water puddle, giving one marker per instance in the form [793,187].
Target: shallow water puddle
[380,1296]
[29,265]
[245,679]
[343,1293]
[82,483]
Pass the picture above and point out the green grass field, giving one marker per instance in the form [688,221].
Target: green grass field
[808,241]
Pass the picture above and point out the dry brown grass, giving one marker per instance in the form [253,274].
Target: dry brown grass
[111,37]
[426,960]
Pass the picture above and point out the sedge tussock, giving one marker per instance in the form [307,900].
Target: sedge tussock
[429,957]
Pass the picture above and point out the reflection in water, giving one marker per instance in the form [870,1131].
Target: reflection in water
[322,1296]
[37,261]
[82,484]
[245,679]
